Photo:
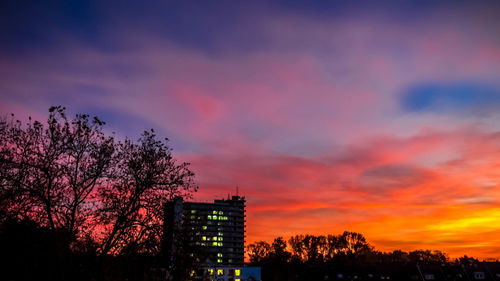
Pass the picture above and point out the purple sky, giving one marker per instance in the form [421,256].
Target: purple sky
[329,115]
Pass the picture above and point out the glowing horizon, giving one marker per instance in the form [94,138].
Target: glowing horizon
[381,119]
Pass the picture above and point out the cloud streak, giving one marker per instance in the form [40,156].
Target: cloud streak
[327,118]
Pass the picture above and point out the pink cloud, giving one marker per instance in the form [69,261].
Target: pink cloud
[289,195]
[309,127]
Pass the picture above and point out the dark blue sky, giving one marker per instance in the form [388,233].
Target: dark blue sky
[329,115]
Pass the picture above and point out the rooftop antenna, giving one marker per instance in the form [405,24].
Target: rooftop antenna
[237,193]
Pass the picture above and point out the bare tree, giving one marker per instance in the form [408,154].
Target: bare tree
[279,251]
[69,176]
[258,251]
[49,171]
[354,243]
[144,176]
[87,194]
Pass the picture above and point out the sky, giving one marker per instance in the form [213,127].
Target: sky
[380,117]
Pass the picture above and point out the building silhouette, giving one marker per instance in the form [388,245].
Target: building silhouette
[216,234]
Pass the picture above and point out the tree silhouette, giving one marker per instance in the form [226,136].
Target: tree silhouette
[30,251]
[258,251]
[279,252]
[314,249]
[319,257]
[94,194]
[143,178]
[49,172]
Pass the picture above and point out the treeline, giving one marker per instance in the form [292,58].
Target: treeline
[312,257]
[76,203]
[348,247]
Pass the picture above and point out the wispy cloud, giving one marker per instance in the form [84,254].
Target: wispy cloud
[329,117]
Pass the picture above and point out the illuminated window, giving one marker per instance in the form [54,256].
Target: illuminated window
[219,244]
[237,272]
[219,255]
[209,217]
[203,244]
[204,227]
[214,212]
[214,217]
[220,271]
[204,238]
[210,271]
[220,212]
[193,211]
[237,279]
[219,260]
[215,243]
[215,238]
[220,238]
[220,234]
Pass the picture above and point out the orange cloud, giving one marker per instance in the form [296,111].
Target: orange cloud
[390,195]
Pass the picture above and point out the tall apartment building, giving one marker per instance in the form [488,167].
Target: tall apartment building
[217,233]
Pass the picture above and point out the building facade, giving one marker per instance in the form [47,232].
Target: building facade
[216,234]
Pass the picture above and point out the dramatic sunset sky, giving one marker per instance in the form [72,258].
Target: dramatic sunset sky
[370,116]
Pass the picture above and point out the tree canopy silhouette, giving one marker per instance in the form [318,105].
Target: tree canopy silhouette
[49,172]
[69,176]
[346,248]
[320,257]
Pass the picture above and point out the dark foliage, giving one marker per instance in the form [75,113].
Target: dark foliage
[49,172]
[76,203]
[310,257]
[142,178]
[29,251]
